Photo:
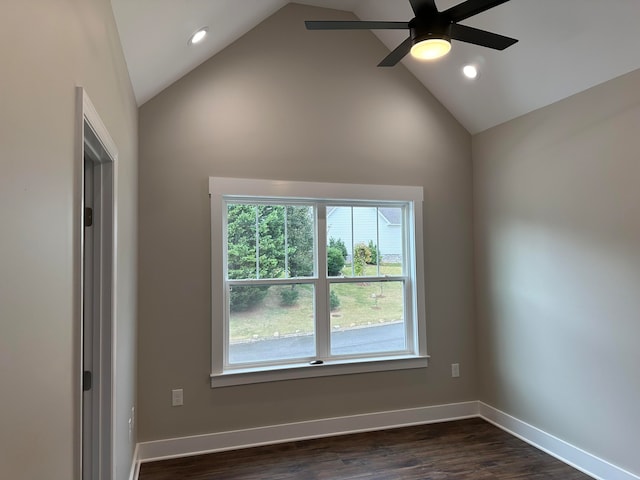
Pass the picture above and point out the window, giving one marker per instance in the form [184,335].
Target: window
[314,279]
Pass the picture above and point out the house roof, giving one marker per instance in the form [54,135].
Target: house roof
[564,47]
[392,215]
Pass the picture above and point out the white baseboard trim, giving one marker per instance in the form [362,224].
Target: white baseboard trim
[576,457]
[253,437]
[135,464]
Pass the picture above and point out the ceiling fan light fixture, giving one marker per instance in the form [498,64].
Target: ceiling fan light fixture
[431,48]
[198,36]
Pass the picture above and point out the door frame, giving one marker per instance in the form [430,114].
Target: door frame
[95,143]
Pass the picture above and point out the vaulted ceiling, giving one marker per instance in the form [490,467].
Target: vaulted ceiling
[565,46]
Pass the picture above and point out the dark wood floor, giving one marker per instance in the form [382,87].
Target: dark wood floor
[463,450]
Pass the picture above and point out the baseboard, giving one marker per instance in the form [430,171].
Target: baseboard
[135,464]
[217,442]
[590,464]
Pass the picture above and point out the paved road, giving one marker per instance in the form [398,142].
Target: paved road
[379,338]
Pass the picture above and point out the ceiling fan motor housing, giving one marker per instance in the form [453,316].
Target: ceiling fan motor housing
[421,30]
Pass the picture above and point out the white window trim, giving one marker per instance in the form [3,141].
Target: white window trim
[219,188]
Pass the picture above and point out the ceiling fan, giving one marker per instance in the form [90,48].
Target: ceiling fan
[430,31]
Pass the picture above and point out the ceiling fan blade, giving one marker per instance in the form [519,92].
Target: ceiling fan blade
[424,8]
[398,54]
[480,37]
[354,25]
[470,8]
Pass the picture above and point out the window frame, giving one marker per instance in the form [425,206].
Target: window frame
[221,190]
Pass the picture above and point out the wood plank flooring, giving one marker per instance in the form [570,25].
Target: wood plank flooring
[462,450]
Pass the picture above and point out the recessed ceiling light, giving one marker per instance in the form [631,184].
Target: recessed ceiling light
[470,71]
[198,36]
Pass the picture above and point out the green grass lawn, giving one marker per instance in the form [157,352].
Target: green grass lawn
[371,270]
[360,304]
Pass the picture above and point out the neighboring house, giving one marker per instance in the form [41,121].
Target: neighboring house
[382,226]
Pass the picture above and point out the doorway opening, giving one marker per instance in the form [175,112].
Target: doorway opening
[97,295]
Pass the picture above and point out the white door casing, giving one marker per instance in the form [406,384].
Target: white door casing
[96,281]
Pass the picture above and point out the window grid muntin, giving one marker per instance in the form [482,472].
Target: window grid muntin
[378,240]
[270,201]
[407,227]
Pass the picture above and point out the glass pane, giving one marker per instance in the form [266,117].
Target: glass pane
[271,260]
[241,241]
[365,224]
[270,241]
[370,239]
[339,238]
[271,323]
[390,251]
[367,318]
[300,241]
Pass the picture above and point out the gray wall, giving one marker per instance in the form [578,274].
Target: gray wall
[286,103]
[46,49]
[557,203]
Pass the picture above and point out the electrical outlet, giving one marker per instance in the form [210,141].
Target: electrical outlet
[455,370]
[177,397]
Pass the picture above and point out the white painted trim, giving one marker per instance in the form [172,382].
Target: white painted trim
[570,454]
[91,115]
[253,437]
[134,472]
[221,186]
[88,115]
[78,279]
[327,369]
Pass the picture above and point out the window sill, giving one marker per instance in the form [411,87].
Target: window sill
[304,370]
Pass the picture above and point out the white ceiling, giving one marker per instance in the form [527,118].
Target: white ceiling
[565,47]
